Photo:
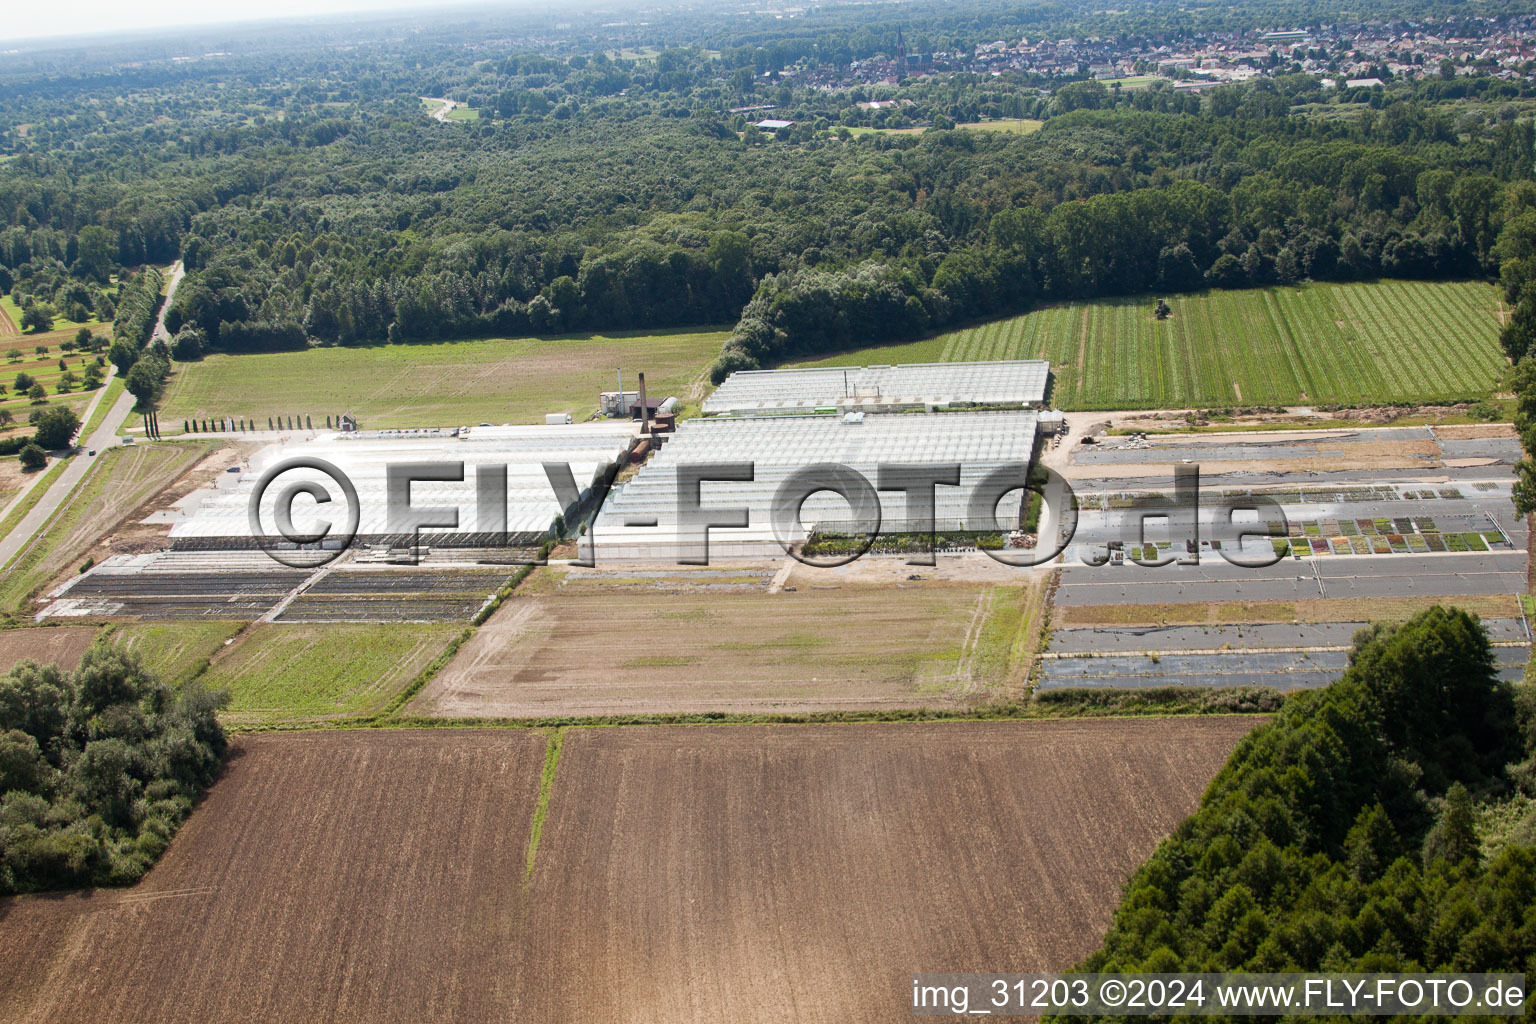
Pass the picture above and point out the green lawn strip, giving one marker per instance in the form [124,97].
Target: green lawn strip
[546,788]
[1050,705]
[295,671]
[178,652]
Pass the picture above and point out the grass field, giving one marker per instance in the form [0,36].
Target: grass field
[280,672]
[624,642]
[1017,125]
[708,873]
[447,384]
[13,313]
[174,652]
[1377,342]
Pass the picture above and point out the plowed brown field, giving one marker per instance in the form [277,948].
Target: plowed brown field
[705,873]
[328,876]
[57,645]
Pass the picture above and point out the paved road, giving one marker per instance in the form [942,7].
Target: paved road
[79,465]
[177,273]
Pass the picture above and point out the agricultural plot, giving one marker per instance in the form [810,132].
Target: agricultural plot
[281,672]
[56,645]
[1402,535]
[780,872]
[644,641]
[447,384]
[1279,670]
[1419,577]
[341,876]
[1375,342]
[44,370]
[176,652]
[681,874]
[122,480]
[246,585]
[396,594]
[235,593]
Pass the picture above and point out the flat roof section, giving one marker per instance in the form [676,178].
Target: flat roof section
[1000,382]
[590,449]
[640,518]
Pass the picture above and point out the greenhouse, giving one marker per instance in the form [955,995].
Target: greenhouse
[1017,382]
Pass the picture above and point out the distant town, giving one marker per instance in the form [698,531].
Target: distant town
[1350,55]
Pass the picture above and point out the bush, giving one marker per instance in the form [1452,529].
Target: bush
[147,378]
[99,767]
[56,427]
[33,458]
[189,344]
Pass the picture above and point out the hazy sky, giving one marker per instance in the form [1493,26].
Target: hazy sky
[30,19]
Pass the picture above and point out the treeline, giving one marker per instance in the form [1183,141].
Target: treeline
[98,768]
[143,361]
[138,308]
[1365,829]
[1320,214]
[313,205]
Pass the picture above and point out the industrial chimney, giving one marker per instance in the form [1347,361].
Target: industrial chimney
[645,410]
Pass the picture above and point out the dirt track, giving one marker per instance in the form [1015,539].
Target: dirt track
[706,873]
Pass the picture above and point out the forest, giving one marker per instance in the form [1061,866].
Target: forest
[314,202]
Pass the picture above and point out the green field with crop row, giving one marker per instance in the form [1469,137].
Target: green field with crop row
[176,652]
[1376,342]
[289,671]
